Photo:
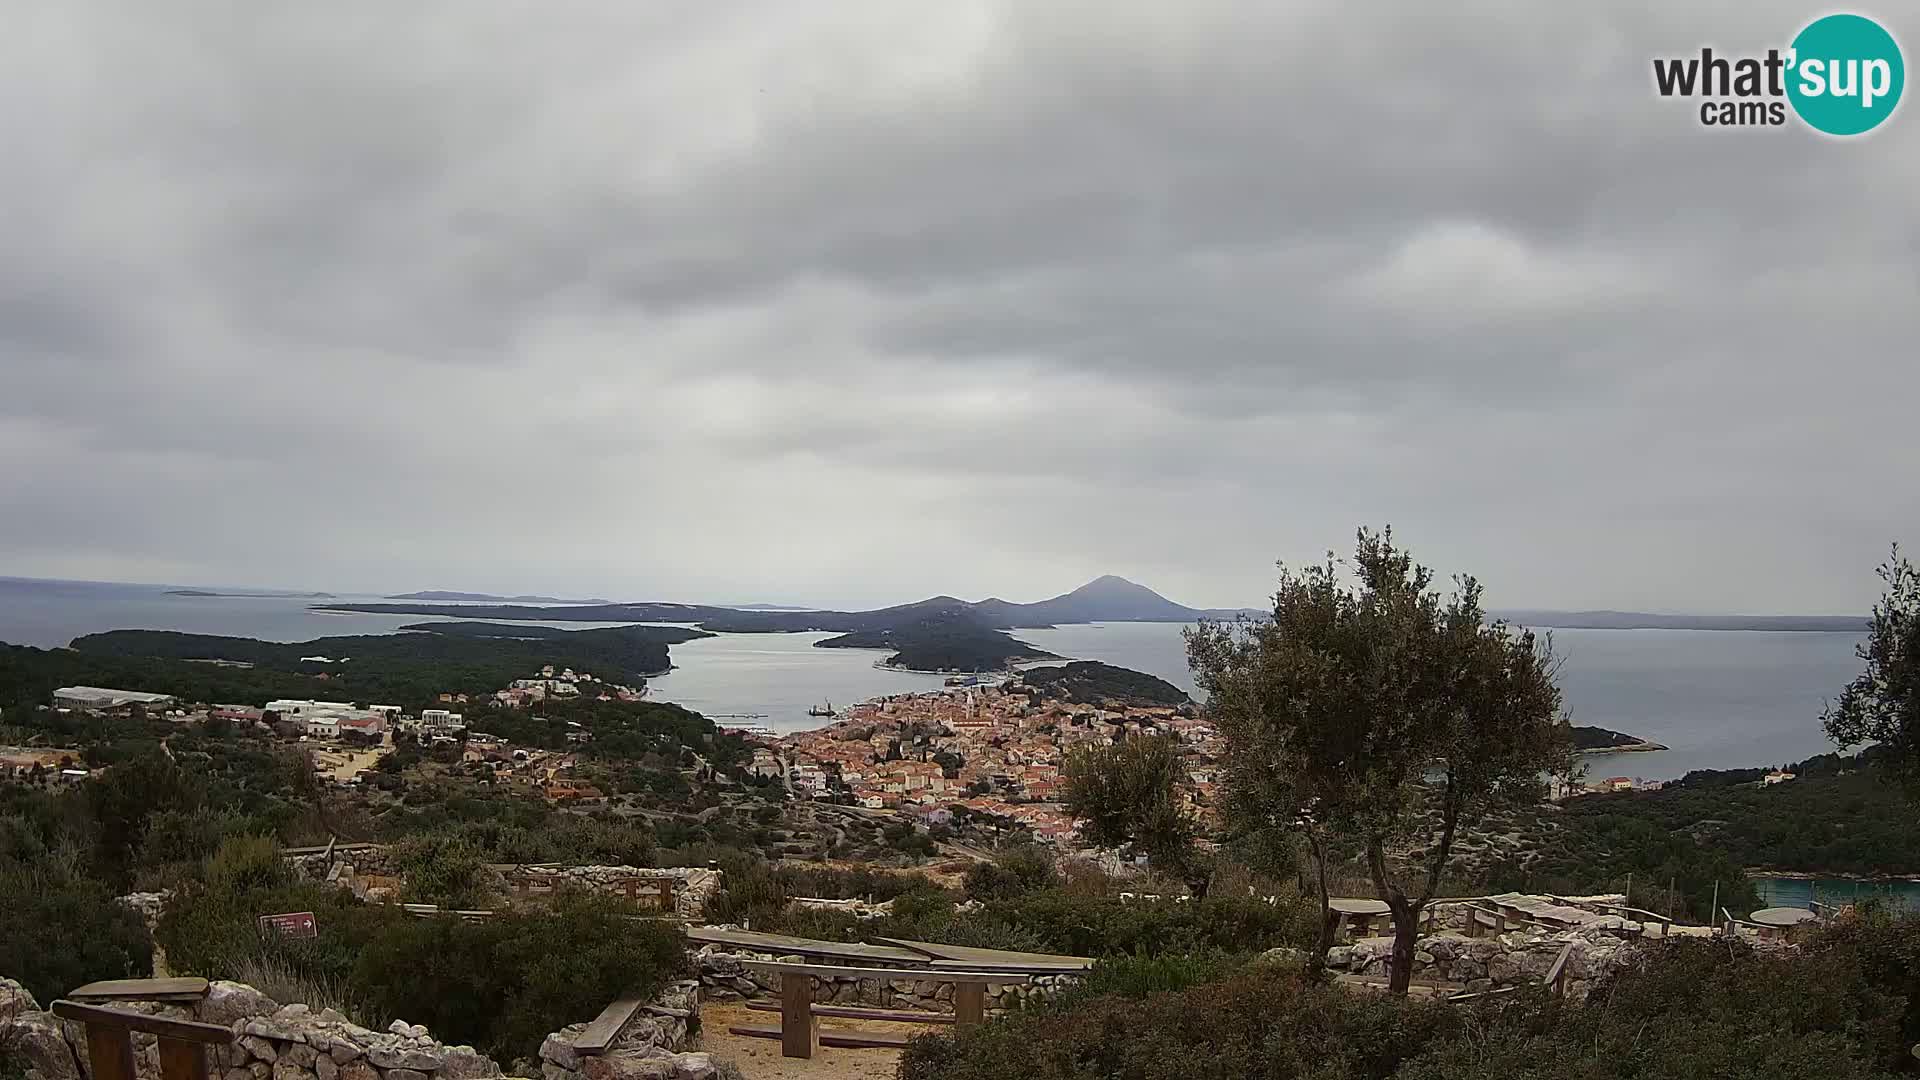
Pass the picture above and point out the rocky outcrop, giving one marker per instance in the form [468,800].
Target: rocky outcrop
[647,1047]
[272,1041]
[724,977]
[35,1039]
[148,905]
[1519,958]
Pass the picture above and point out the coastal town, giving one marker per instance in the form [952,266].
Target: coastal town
[990,750]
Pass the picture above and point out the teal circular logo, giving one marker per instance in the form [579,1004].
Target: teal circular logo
[1846,74]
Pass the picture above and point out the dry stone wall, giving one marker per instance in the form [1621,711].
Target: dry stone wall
[647,1047]
[273,1042]
[693,887]
[724,977]
[1517,958]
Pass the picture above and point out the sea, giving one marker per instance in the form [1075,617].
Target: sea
[1717,699]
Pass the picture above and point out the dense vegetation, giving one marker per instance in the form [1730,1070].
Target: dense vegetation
[500,985]
[621,730]
[62,929]
[1090,680]
[1020,903]
[1845,1008]
[1841,815]
[412,668]
[941,643]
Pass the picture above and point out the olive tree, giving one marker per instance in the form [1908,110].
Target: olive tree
[1882,703]
[1127,796]
[1372,713]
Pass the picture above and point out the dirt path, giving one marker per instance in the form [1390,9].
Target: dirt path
[357,761]
[759,1059]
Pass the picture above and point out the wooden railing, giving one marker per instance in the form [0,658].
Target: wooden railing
[183,1043]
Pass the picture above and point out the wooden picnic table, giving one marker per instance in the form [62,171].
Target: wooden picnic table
[799,1031]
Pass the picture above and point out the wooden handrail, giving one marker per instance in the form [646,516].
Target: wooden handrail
[1556,975]
[182,1043]
[1481,995]
[163,1026]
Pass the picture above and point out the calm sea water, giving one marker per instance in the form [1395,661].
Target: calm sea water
[1719,699]
[1800,892]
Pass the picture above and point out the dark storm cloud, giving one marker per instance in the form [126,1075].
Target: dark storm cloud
[860,302]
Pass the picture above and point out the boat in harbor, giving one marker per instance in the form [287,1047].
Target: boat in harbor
[823,709]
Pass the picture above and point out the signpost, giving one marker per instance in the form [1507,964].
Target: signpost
[294,924]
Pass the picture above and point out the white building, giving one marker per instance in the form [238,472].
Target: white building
[99,697]
[440,721]
[322,719]
[302,708]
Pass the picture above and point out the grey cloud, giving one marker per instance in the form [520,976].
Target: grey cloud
[989,298]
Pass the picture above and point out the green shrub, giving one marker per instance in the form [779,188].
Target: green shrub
[243,864]
[502,984]
[212,927]
[1262,1024]
[442,868]
[59,930]
[1139,976]
[1012,874]
[1692,1009]
[1060,920]
[1683,1009]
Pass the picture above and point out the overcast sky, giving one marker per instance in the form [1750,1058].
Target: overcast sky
[851,303]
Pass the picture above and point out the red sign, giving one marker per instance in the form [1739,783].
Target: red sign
[296,924]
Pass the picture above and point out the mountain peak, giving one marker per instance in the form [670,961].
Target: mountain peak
[1112,583]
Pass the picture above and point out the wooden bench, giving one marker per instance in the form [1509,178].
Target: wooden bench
[606,1027]
[183,1043]
[172,990]
[799,1031]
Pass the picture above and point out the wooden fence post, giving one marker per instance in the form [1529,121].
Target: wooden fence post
[799,1031]
[110,1049]
[969,1003]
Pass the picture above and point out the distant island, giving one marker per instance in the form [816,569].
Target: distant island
[438,594]
[943,645]
[408,669]
[942,633]
[266,595]
[945,633]
[1093,681]
[768,607]
[1599,740]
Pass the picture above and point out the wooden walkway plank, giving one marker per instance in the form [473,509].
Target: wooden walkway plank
[849,1012]
[829,971]
[141,990]
[963,957]
[783,943]
[882,1040]
[606,1027]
